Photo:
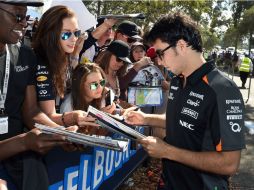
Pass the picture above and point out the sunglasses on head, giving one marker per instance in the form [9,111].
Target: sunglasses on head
[67,35]
[95,85]
[19,17]
[160,53]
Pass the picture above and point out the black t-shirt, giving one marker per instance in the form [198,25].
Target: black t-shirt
[206,115]
[44,83]
[22,74]
[90,41]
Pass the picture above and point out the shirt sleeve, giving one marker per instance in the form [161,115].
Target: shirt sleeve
[127,78]
[44,84]
[28,55]
[227,120]
[88,43]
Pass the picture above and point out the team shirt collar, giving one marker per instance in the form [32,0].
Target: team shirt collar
[197,75]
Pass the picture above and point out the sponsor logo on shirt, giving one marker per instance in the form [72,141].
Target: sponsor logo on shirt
[234,109]
[190,112]
[174,87]
[41,78]
[44,95]
[42,85]
[41,92]
[186,125]
[193,103]
[39,67]
[171,97]
[234,117]
[199,96]
[20,68]
[42,73]
[235,127]
[234,101]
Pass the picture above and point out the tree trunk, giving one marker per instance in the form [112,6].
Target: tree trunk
[250,41]
[99,8]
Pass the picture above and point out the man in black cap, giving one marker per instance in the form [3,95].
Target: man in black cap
[128,32]
[121,50]
[18,106]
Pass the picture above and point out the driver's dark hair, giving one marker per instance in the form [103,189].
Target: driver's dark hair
[173,27]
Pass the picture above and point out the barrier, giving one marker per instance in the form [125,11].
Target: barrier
[96,168]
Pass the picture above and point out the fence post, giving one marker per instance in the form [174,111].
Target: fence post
[249,88]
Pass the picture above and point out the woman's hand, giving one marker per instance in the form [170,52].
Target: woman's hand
[109,109]
[79,44]
[81,118]
[74,56]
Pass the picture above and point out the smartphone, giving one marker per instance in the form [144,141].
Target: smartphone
[108,98]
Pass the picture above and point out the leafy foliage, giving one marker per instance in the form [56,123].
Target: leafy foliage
[207,14]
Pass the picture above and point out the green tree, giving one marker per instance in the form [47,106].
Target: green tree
[246,26]
[234,31]
[231,37]
[209,39]
[194,8]
[201,11]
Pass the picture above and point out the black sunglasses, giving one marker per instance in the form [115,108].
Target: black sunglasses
[160,53]
[67,35]
[18,17]
[95,85]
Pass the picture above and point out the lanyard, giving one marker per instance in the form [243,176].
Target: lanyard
[6,78]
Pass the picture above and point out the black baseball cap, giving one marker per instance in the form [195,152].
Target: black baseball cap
[129,28]
[121,50]
[33,3]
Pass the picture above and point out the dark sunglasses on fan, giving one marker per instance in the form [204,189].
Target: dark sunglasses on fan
[95,85]
[18,17]
[67,35]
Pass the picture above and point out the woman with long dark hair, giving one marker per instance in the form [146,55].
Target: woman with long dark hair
[57,44]
[88,88]
[114,62]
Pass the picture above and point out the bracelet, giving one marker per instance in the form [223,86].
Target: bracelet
[65,125]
